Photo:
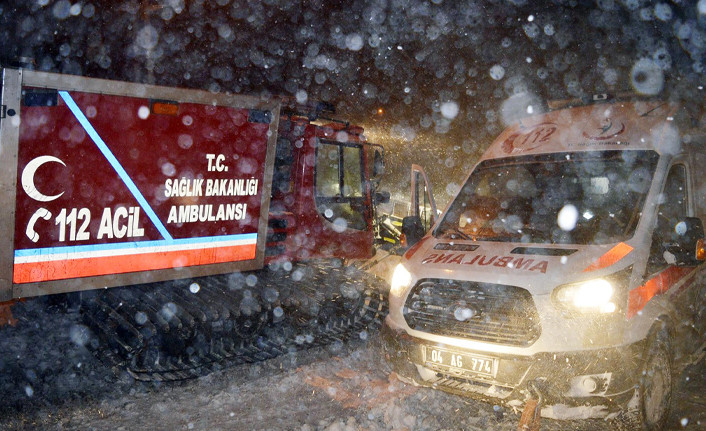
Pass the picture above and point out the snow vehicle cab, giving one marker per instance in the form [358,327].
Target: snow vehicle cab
[567,268]
[323,188]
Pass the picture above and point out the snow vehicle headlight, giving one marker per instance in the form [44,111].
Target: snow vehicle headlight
[401,279]
[596,295]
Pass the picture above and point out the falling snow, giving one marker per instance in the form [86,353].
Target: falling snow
[447,76]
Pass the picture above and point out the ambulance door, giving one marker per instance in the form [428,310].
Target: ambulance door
[423,213]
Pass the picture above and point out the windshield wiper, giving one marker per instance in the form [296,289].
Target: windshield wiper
[455,232]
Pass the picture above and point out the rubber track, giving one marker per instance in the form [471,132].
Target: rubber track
[263,348]
[205,331]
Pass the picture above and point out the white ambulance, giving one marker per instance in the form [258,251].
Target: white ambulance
[567,268]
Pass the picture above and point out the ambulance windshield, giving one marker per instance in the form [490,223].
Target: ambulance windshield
[565,198]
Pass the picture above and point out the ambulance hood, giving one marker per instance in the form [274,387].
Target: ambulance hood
[538,268]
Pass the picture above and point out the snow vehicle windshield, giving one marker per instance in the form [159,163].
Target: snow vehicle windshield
[565,198]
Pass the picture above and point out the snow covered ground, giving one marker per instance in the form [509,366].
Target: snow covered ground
[49,380]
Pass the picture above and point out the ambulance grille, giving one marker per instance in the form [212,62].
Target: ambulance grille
[492,313]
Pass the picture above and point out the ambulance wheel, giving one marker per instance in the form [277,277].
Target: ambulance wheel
[656,380]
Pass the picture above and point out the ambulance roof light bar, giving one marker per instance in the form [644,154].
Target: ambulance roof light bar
[596,98]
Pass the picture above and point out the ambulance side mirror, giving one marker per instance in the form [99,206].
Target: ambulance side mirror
[412,229]
[687,245]
[378,164]
[382,197]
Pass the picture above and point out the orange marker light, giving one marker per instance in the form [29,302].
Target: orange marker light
[380,111]
[700,249]
[165,108]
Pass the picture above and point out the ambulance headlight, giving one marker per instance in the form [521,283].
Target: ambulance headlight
[591,296]
[401,279]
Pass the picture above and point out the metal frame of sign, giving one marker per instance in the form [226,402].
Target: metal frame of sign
[14,80]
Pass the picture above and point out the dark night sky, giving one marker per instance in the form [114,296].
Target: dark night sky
[442,71]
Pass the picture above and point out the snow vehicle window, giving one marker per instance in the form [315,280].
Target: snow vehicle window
[352,182]
[568,198]
[339,185]
[281,179]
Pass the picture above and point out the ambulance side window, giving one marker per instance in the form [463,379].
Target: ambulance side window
[673,206]
[672,209]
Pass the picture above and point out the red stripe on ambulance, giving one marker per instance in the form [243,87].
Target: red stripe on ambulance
[91,266]
[659,284]
[610,257]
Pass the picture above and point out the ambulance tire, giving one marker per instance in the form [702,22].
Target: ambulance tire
[656,386]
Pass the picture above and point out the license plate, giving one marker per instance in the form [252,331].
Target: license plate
[460,363]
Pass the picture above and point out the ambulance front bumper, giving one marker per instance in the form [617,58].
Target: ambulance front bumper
[601,376]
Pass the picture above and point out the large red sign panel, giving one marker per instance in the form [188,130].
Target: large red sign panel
[111,184]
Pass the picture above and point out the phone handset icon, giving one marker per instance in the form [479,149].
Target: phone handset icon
[40,213]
